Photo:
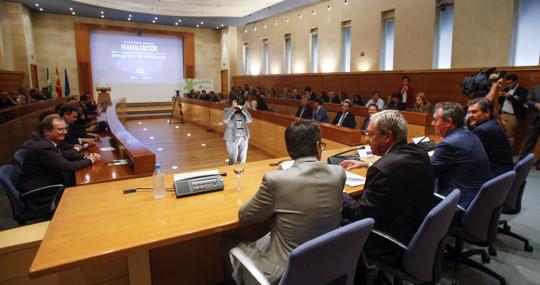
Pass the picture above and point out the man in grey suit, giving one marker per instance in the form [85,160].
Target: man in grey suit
[533,101]
[237,133]
[303,202]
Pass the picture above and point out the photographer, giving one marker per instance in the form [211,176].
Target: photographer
[512,98]
[237,133]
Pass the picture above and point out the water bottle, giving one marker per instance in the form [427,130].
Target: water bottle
[159,182]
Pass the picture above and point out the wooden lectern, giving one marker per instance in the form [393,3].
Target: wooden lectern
[104,97]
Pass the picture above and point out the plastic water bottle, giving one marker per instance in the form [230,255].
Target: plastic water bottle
[159,182]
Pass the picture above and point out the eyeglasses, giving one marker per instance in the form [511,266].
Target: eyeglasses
[323,145]
[61,130]
[371,134]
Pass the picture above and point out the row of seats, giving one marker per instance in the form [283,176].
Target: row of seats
[332,257]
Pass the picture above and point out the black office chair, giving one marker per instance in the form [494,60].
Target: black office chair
[19,157]
[24,207]
[512,203]
[479,223]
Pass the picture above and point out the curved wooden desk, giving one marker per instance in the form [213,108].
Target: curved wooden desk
[141,159]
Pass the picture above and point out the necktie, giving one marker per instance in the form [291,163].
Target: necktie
[341,119]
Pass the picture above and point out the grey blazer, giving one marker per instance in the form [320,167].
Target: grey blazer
[231,128]
[303,202]
[532,99]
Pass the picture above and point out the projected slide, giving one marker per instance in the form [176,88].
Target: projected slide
[146,68]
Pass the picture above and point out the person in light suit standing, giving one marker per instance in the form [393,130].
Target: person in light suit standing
[237,133]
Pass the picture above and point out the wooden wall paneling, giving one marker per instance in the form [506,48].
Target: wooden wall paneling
[11,80]
[189,55]
[281,146]
[82,49]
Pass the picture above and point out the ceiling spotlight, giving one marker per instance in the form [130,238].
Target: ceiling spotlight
[299,16]
[345,2]
[287,19]
[202,23]
[102,16]
[197,25]
[245,31]
[70,9]
[154,21]
[72,13]
[129,15]
[313,12]
[37,5]
[41,9]
[179,20]
[102,12]
[155,18]
[329,7]
[275,23]
[129,19]
[222,25]
[176,23]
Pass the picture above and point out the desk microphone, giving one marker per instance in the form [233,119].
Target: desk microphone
[205,175]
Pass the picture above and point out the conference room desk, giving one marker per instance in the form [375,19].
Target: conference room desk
[166,241]
[419,124]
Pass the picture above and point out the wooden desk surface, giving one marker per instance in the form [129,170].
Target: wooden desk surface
[98,221]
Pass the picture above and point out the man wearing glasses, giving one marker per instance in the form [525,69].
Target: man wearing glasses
[46,164]
[398,192]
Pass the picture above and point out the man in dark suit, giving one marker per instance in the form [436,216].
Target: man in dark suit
[396,103]
[304,111]
[372,109]
[460,161]
[45,163]
[300,203]
[533,101]
[310,95]
[491,134]
[512,98]
[345,118]
[320,114]
[334,98]
[394,194]
[77,133]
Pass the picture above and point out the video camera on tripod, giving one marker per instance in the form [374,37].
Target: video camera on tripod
[477,85]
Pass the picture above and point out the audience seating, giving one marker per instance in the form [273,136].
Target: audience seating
[27,143]
[21,210]
[512,203]
[422,257]
[331,257]
[19,156]
[479,223]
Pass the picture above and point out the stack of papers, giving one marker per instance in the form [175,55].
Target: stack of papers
[354,180]
[286,164]
[183,176]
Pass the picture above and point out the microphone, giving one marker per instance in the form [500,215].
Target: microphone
[202,176]
[336,159]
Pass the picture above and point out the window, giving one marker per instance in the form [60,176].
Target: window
[245,59]
[288,53]
[387,45]
[526,42]
[265,56]
[346,46]
[314,50]
[442,55]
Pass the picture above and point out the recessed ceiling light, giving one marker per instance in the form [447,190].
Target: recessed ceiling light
[313,12]
[177,127]
[70,9]
[179,20]
[102,12]
[197,25]
[129,15]
[72,13]
[155,18]
[160,149]
[129,19]
[345,2]
[151,138]
[203,144]
[299,16]
[140,123]
[154,21]
[37,5]
[287,19]
[174,167]
[329,7]
[222,25]
[102,16]
[275,23]
[176,23]
[189,135]
[202,23]
[41,9]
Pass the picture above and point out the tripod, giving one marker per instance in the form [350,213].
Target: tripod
[175,102]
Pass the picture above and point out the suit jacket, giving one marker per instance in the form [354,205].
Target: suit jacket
[302,202]
[335,100]
[497,146]
[396,106]
[45,164]
[365,124]
[231,124]
[398,192]
[321,115]
[308,112]
[348,122]
[532,99]
[460,162]
[518,99]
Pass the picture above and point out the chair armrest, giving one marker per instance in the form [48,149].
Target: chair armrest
[389,237]
[442,197]
[60,187]
[248,264]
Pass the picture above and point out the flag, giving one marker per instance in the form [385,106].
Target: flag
[49,85]
[66,84]
[58,86]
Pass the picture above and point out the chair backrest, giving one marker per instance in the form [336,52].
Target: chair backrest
[482,216]
[19,156]
[27,143]
[329,257]
[522,169]
[420,258]
[6,177]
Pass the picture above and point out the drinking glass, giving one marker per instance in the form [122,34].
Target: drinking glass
[238,169]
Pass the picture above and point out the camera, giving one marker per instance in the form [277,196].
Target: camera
[478,84]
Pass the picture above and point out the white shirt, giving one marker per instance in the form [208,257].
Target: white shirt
[507,105]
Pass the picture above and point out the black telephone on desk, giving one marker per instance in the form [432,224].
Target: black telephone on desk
[198,185]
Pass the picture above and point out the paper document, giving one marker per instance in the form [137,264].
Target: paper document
[107,148]
[363,152]
[354,180]
[119,162]
[430,153]
[183,176]
[286,164]
[419,139]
